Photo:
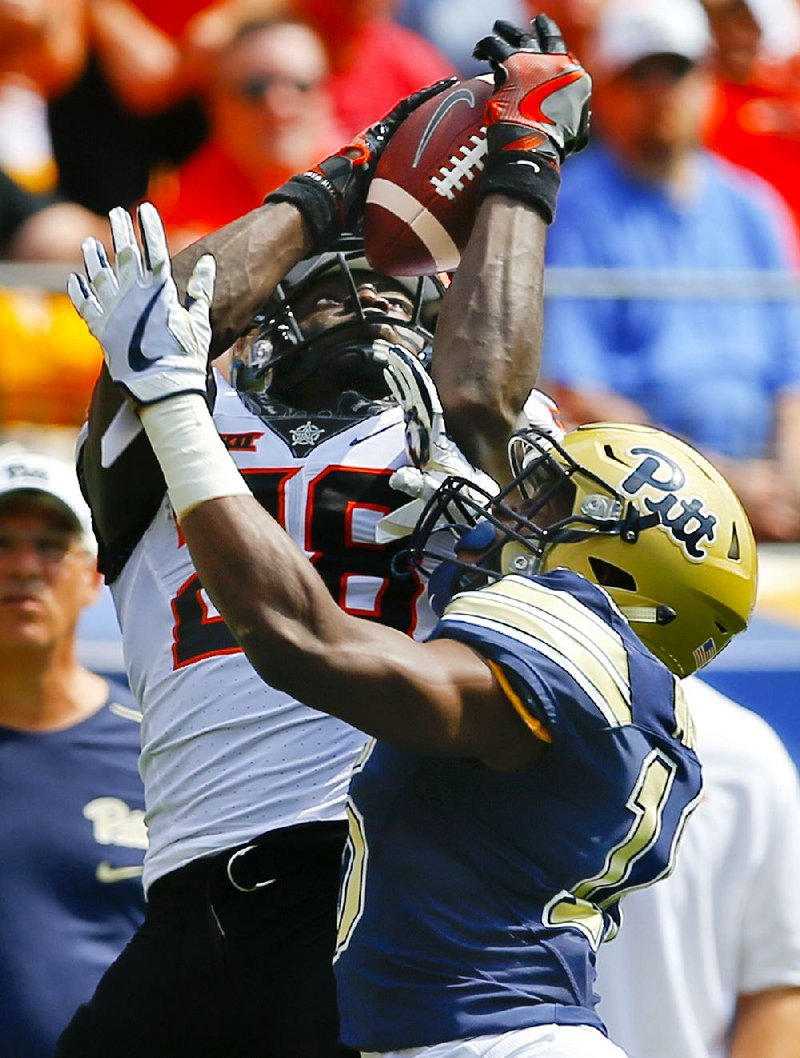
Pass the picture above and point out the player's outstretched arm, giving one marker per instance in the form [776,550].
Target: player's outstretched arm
[120,473]
[121,476]
[438,697]
[488,338]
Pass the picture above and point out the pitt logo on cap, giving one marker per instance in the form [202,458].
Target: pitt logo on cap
[656,483]
[25,470]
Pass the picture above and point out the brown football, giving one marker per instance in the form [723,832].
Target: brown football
[423,198]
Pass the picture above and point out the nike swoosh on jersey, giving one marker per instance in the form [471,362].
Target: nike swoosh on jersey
[462,95]
[123,429]
[136,358]
[106,873]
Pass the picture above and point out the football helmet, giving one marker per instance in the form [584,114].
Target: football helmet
[631,508]
[278,350]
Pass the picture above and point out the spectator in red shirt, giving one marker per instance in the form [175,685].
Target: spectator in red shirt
[269,116]
[755,119]
[399,60]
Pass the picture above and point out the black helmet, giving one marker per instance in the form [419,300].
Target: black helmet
[274,354]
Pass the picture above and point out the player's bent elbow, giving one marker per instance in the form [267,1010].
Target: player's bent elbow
[283,652]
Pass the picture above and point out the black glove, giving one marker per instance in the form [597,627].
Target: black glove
[538,114]
[331,195]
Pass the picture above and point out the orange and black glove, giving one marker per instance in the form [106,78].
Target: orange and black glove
[538,113]
[331,195]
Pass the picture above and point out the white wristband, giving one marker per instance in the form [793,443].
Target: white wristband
[194,460]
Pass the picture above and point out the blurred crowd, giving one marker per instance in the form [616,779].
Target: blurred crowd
[203,108]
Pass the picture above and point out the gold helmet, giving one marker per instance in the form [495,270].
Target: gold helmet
[636,511]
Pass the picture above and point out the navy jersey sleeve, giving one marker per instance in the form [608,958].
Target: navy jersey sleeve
[569,656]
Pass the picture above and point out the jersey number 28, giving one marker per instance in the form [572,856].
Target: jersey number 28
[333,500]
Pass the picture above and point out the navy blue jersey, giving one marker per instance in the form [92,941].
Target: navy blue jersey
[473,900]
[72,840]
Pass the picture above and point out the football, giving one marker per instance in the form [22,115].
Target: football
[423,198]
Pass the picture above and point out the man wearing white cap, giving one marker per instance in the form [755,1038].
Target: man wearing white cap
[722,371]
[72,828]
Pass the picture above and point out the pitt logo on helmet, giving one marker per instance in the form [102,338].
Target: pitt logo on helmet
[656,483]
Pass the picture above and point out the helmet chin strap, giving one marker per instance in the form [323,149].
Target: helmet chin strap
[445,579]
[415,343]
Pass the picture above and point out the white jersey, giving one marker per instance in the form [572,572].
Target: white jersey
[224,756]
[725,922]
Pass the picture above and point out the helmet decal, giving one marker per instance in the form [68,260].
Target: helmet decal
[307,434]
[655,482]
[704,653]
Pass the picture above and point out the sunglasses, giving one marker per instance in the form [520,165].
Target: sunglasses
[253,89]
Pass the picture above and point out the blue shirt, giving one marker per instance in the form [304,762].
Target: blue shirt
[706,370]
[453,26]
[72,842]
[474,900]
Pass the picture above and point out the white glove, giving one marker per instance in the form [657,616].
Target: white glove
[153,346]
[434,455]
[541,411]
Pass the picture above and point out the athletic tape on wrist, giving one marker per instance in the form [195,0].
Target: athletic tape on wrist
[195,462]
[316,199]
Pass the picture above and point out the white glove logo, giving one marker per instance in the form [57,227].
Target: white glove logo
[136,357]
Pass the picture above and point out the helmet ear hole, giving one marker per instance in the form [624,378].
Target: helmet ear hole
[610,576]
[609,451]
[734,551]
